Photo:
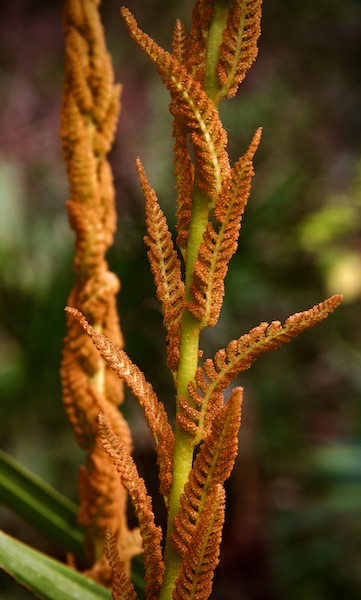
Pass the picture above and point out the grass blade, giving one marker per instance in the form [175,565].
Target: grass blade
[39,504]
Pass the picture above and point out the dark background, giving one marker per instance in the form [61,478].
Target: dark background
[294,500]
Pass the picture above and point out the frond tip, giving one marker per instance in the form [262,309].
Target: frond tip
[122,587]
[192,105]
[239,46]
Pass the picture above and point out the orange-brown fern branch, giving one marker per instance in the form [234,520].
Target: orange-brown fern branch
[206,391]
[194,109]
[218,246]
[241,353]
[197,569]
[212,466]
[154,410]
[239,45]
[88,119]
[151,534]
[166,269]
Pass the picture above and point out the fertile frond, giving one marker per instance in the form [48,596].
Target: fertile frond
[89,114]
[239,46]
[122,587]
[165,267]
[191,104]
[154,411]
[142,504]
[219,246]
[212,466]
[196,576]
[241,353]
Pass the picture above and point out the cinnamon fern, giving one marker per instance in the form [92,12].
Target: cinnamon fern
[196,456]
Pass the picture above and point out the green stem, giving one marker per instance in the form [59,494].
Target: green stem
[215,33]
[188,363]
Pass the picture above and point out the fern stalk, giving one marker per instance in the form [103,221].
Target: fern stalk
[188,363]
[191,326]
[218,23]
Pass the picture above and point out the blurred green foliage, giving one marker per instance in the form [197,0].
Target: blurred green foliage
[293,524]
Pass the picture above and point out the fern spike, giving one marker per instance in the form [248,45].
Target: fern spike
[195,459]
[90,109]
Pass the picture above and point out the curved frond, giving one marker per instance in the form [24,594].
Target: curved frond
[239,46]
[154,411]
[219,246]
[212,466]
[122,587]
[191,104]
[142,504]
[216,374]
[196,575]
[165,267]
[89,114]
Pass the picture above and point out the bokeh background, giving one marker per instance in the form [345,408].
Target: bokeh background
[293,526]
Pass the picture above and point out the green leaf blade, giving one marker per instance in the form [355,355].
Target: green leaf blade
[41,505]
[46,578]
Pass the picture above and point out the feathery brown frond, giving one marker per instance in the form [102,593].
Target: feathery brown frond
[165,267]
[239,46]
[216,374]
[154,411]
[219,246]
[192,105]
[89,115]
[142,504]
[196,576]
[122,587]
[212,466]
